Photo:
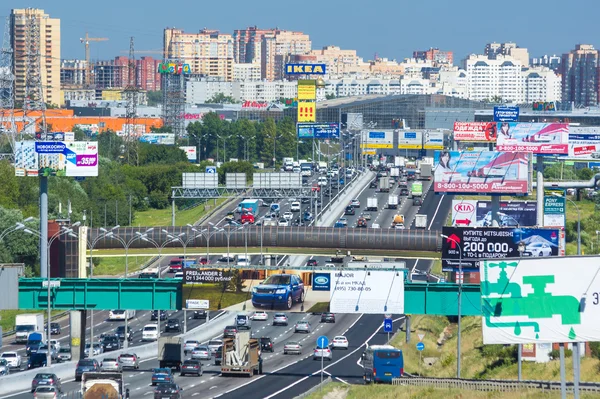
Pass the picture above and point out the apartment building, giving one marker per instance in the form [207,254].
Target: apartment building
[34,28]
[147,74]
[492,50]
[276,48]
[247,44]
[580,76]
[246,72]
[541,84]
[199,91]
[435,55]
[493,79]
[339,62]
[73,73]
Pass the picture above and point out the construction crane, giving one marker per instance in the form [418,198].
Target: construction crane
[161,52]
[86,41]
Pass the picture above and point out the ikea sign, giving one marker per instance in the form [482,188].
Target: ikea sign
[305,69]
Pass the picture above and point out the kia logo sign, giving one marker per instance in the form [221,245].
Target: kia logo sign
[322,280]
[464,208]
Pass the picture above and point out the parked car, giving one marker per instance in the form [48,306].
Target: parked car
[13,359]
[327,318]
[129,360]
[161,376]
[173,325]
[339,342]
[190,345]
[302,326]
[55,329]
[84,366]
[266,344]
[278,290]
[201,353]
[191,367]
[168,391]
[292,347]
[111,364]
[199,314]
[280,319]
[324,353]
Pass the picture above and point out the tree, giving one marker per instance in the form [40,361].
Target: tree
[268,132]
[221,98]
[18,247]
[9,189]
[110,145]
[585,174]
[330,96]
[154,98]
[158,153]
[236,284]
[235,167]
[162,129]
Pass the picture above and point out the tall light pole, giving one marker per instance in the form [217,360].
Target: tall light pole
[459,301]
[207,234]
[16,227]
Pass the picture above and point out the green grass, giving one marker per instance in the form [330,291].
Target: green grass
[115,266]
[436,268]
[7,317]
[162,217]
[319,307]
[214,294]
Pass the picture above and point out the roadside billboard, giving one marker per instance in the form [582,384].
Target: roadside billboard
[482,172]
[305,69]
[324,131]
[433,140]
[378,139]
[307,111]
[540,301]
[469,245]
[210,276]
[363,291]
[307,90]
[476,213]
[584,142]
[158,138]
[475,131]
[539,138]
[410,140]
[555,207]
[506,114]
[56,158]
[190,152]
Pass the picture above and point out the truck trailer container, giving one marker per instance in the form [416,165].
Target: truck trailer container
[102,385]
[27,323]
[241,355]
[170,352]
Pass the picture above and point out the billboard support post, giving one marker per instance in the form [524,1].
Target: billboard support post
[576,370]
[44,263]
[173,212]
[520,361]
[459,313]
[540,191]
[563,377]
[407,327]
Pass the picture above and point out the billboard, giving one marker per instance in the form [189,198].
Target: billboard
[544,106]
[379,139]
[506,114]
[433,140]
[475,131]
[363,291]
[174,68]
[555,206]
[469,245]
[410,140]
[540,301]
[306,69]
[307,90]
[307,111]
[210,276]
[539,138]
[56,158]
[584,142]
[55,136]
[158,138]
[190,152]
[318,130]
[482,172]
[476,213]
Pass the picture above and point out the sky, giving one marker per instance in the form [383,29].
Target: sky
[389,28]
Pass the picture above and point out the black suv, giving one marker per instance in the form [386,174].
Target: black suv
[111,343]
[327,318]
[199,314]
[230,332]
[173,325]
[120,332]
[312,262]
[36,360]
[266,344]
[54,328]
[349,210]
[154,316]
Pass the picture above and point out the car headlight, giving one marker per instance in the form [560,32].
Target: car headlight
[254,290]
[280,291]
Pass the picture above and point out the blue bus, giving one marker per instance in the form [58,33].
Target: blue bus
[381,363]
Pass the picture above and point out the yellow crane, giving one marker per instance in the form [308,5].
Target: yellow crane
[86,41]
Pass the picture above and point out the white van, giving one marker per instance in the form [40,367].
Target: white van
[242,260]
[323,180]
[117,314]
[295,206]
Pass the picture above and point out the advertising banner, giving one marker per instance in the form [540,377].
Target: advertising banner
[321,281]
[307,90]
[483,172]
[307,111]
[199,276]
[476,213]
[539,300]
[469,245]
[539,138]
[158,138]
[506,114]
[555,206]
[56,158]
[379,139]
[475,131]
[373,292]
[410,140]
[306,69]
[433,141]
[190,152]
[323,131]
[584,142]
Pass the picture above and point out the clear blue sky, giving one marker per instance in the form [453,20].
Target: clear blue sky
[390,28]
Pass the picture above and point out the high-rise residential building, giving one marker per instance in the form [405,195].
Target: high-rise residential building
[437,56]
[580,76]
[110,74]
[549,61]
[541,84]
[246,72]
[34,26]
[73,73]
[147,74]
[339,62]
[492,50]
[277,47]
[247,44]
[208,52]
[498,79]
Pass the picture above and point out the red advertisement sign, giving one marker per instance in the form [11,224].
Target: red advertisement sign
[475,131]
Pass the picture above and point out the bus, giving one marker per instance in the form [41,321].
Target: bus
[382,363]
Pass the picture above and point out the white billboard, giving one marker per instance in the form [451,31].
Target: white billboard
[374,292]
[377,139]
[190,152]
[539,301]
[433,140]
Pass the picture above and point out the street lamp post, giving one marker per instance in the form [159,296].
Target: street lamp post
[459,302]
[207,236]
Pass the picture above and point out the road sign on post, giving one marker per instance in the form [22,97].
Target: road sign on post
[420,346]
[322,342]
[387,325]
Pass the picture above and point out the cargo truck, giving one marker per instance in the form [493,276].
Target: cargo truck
[398,220]
[425,171]
[392,202]
[420,221]
[384,184]
[241,355]
[27,323]
[170,352]
[102,385]
[395,172]
[249,205]
[417,189]
[372,204]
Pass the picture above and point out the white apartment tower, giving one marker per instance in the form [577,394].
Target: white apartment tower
[493,79]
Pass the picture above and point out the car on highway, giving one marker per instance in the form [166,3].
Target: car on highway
[199,314]
[399,226]
[366,216]
[175,265]
[355,203]
[33,344]
[266,344]
[118,315]
[4,369]
[120,332]
[242,261]
[302,326]
[55,329]
[328,265]
[190,345]
[292,347]
[404,192]
[350,210]
[150,332]
[230,331]
[214,344]
[36,360]
[260,315]
[173,325]
[111,364]
[51,349]
[95,350]
[307,217]
[243,321]
[230,216]
[538,249]
[111,343]
[373,184]
[343,221]
[279,290]
[218,355]
[129,360]
[312,262]
[227,258]
[13,359]
[280,319]
[168,391]
[201,353]
[417,201]
[178,276]
[191,367]
[324,353]
[288,215]
[46,392]
[339,342]
[154,315]
[283,223]
[161,376]
[295,206]
[85,365]
[203,261]
[64,354]
[375,226]
[305,200]
[56,344]
[327,318]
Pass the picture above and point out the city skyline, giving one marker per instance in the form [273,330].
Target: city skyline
[467,36]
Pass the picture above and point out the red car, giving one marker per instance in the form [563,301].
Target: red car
[203,261]
[175,265]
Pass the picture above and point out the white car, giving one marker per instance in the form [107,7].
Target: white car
[283,223]
[243,261]
[400,226]
[117,315]
[12,358]
[288,215]
[150,332]
[190,345]
[97,350]
[355,203]
[56,344]
[295,206]
[328,265]
[539,249]
[178,276]
[375,226]
[339,342]
[260,315]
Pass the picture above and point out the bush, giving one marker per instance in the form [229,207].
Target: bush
[448,360]
[507,353]
[555,353]
[595,349]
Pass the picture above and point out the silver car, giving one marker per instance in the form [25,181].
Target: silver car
[64,354]
[214,344]
[190,345]
[324,353]
[46,393]
[280,319]
[52,349]
[110,364]
[302,326]
[201,353]
[129,360]
[292,347]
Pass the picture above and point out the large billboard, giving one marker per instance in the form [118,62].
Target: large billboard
[467,245]
[540,300]
[584,142]
[158,138]
[476,213]
[324,131]
[307,90]
[190,152]
[172,68]
[539,138]
[306,69]
[56,158]
[410,140]
[433,140]
[475,131]
[555,207]
[377,139]
[506,114]
[307,111]
[482,172]
[363,291]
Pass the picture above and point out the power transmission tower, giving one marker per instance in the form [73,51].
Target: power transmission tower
[34,92]
[173,87]
[131,94]
[7,87]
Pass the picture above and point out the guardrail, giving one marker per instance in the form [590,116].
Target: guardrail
[491,385]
